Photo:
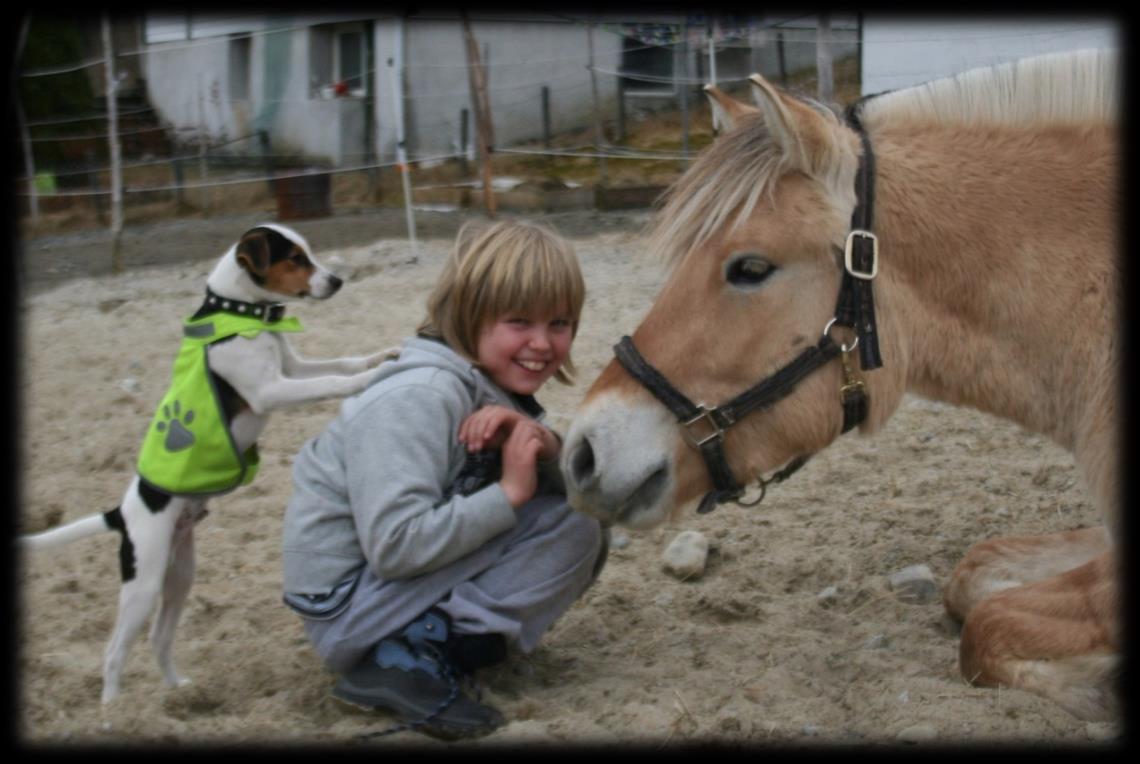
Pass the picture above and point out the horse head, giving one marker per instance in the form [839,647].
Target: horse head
[754,232]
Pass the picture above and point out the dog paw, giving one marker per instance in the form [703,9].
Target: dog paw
[175,425]
[391,354]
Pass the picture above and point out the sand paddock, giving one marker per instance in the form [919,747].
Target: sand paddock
[791,636]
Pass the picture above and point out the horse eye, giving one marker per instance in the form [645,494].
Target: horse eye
[748,270]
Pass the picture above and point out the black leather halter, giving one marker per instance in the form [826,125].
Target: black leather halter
[703,427]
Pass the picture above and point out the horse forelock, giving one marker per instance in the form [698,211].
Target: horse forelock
[1074,86]
[722,188]
[719,191]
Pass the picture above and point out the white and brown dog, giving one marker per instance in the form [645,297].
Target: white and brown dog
[250,376]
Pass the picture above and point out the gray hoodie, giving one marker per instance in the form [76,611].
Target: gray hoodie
[372,489]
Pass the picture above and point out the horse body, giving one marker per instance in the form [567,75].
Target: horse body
[998,288]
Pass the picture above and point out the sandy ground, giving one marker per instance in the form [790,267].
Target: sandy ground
[749,653]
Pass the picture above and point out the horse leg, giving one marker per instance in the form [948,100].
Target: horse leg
[1004,563]
[1058,637]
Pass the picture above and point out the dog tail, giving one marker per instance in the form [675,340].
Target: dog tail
[88,526]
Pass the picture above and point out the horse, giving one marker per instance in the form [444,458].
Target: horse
[955,240]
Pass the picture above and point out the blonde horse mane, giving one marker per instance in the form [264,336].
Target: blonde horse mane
[730,175]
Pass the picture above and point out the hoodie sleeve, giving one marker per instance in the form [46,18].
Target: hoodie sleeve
[399,451]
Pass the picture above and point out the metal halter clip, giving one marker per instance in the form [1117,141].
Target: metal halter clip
[705,416]
[848,250]
[851,384]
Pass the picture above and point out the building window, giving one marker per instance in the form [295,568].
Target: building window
[338,56]
[239,67]
[650,67]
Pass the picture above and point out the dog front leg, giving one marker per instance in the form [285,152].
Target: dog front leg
[295,366]
[282,391]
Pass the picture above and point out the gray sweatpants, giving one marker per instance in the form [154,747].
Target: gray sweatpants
[517,585]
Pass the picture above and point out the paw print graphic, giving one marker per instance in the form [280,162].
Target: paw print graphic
[177,436]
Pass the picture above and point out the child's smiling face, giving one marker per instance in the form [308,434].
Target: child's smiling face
[521,352]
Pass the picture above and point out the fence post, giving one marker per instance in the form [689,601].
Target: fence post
[266,158]
[396,67]
[823,65]
[25,135]
[483,126]
[782,59]
[599,134]
[464,119]
[681,63]
[203,169]
[546,117]
[179,199]
[712,50]
[116,159]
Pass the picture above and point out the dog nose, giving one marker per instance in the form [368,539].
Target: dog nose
[335,283]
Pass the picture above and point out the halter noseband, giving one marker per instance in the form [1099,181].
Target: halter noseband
[703,428]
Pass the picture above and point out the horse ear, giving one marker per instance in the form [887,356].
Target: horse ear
[804,134]
[726,110]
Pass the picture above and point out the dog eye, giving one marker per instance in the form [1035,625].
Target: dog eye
[299,258]
[748,270]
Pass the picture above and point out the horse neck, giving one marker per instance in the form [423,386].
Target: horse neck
[1003,288]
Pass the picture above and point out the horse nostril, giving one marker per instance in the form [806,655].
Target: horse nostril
[582,464]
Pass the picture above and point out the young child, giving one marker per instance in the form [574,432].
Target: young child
[428,527]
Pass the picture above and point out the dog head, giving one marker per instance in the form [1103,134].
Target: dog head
[278,261]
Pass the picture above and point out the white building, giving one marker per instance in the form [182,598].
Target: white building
[325,86]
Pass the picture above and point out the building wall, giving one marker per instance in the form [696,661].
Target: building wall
[519,59]
[900,52]
[188,78]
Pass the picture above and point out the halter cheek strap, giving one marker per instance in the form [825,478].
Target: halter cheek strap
[856,305]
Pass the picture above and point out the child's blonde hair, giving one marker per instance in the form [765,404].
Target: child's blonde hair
[508,267]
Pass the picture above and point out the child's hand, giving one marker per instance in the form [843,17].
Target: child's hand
[490,426]
[520,454]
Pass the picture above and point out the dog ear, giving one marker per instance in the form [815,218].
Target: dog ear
[253,252]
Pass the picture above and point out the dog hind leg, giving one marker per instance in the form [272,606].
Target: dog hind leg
[175,588]
[150,534]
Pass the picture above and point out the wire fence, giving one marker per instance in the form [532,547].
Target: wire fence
[653,116]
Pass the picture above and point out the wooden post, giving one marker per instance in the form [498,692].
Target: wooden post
[116,158]
[483,127]
[396,68]
[599,134]
[546,137]
[546,117]
[681,64]
[179,199]
[464,138]
[712,50]
[266,158]
[25,135]
[782,59]
[823,63]
[203,169]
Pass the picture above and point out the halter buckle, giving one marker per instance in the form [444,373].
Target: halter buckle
[705,416]
[848,252]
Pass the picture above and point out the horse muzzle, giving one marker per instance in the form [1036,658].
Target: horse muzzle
[617,462]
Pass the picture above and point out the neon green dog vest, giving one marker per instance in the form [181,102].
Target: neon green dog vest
[188,449]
